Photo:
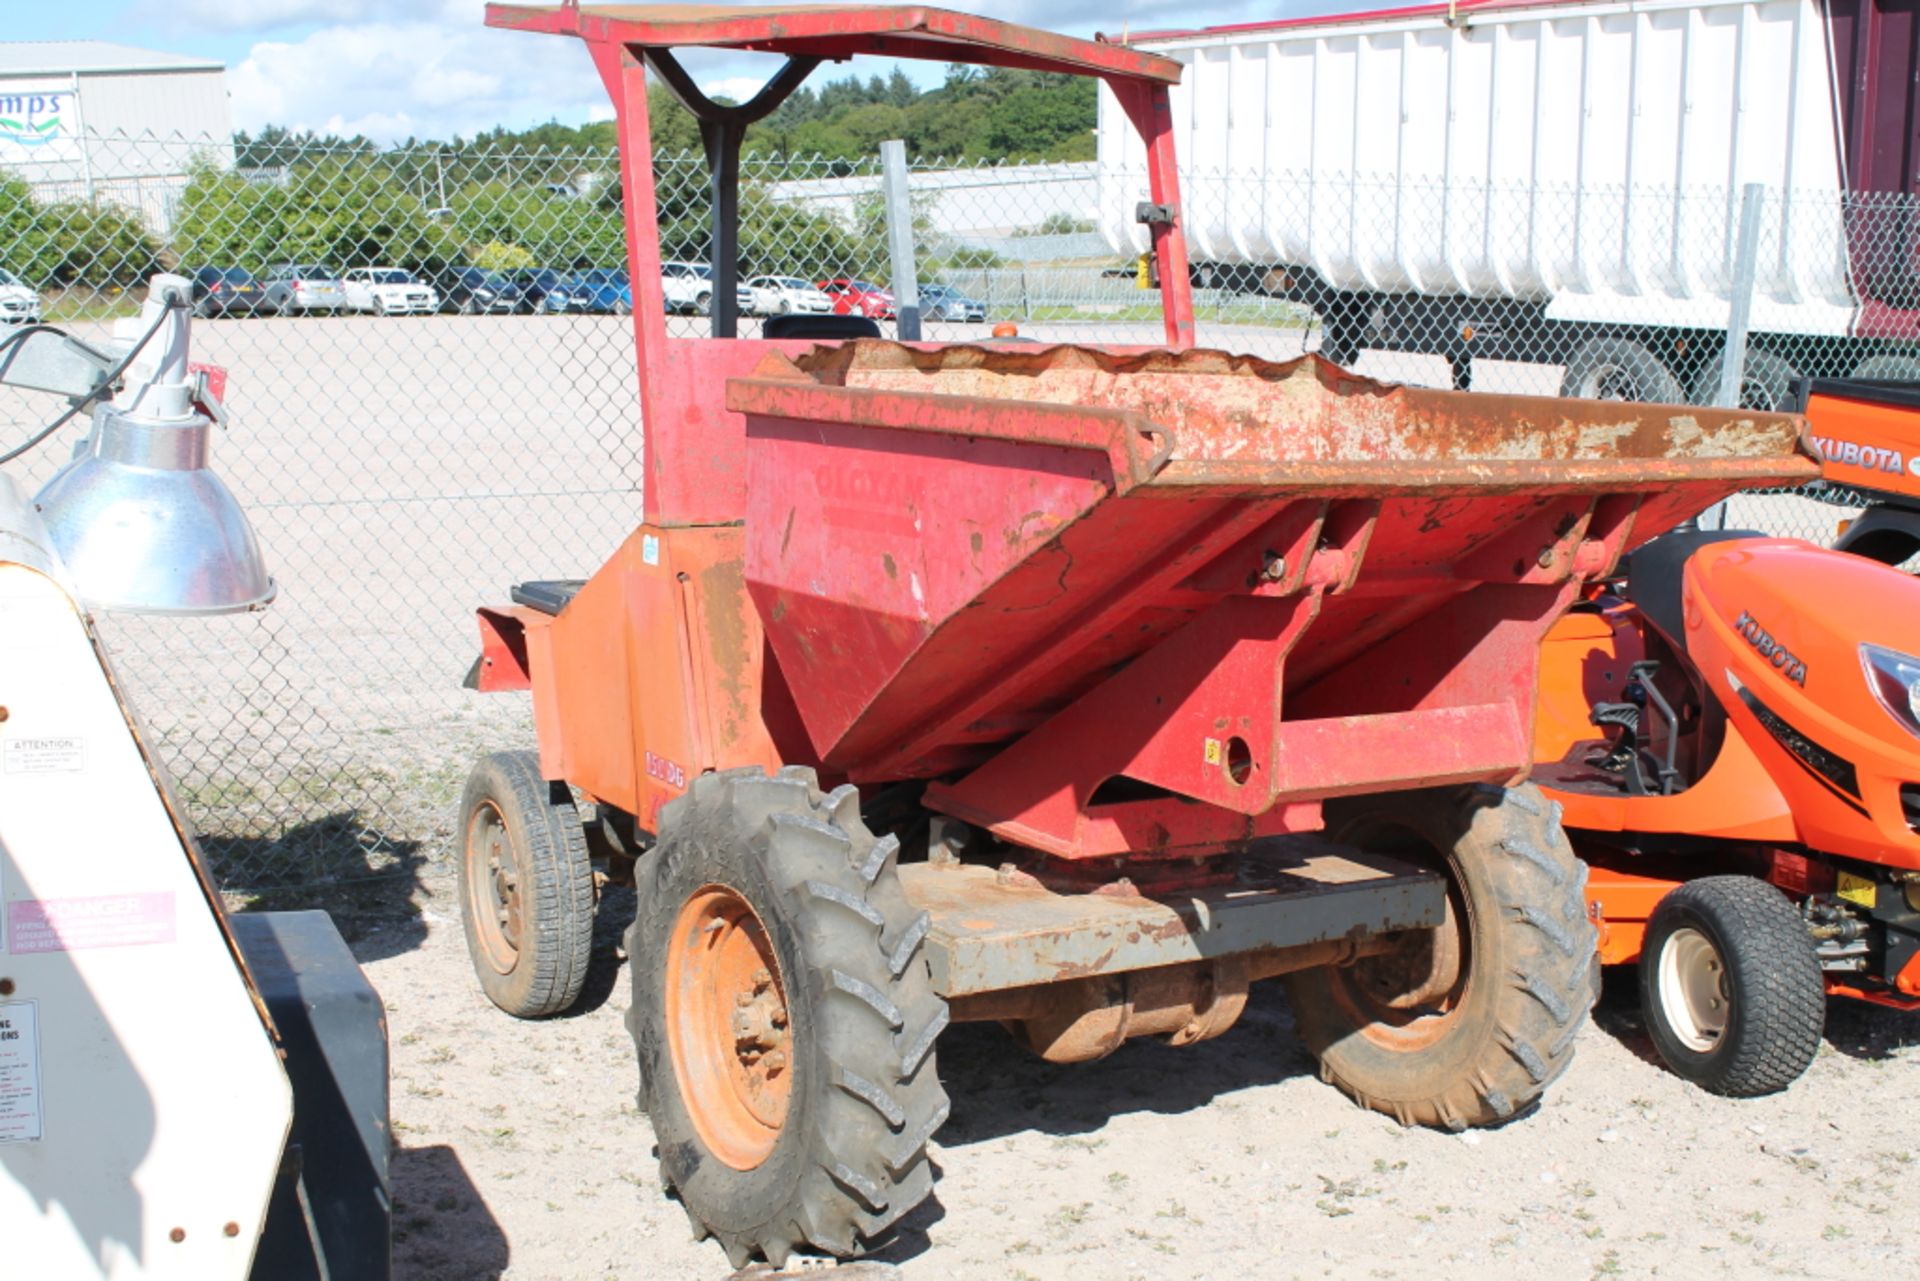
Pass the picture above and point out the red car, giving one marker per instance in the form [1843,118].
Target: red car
[858,298]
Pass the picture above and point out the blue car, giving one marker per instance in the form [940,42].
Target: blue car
[603,289]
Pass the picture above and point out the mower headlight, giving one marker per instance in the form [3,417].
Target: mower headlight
[1895,680]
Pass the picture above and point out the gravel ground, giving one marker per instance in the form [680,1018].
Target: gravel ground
[521,1155]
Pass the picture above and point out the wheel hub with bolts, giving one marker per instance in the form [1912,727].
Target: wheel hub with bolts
[496,911]
[1693,982]
[728,1026]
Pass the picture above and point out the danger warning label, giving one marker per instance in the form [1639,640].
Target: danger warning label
[76,924]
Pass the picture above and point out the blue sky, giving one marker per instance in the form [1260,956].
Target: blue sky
[430,68]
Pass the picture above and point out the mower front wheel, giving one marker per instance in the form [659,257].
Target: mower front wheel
[1730,986]
[526,886]
[784,1017]
[1466,1024]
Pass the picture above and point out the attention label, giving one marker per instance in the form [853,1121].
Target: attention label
[76,924]
[45,755]
[19,1072]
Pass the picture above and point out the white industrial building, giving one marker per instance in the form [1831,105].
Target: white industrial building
[88,119]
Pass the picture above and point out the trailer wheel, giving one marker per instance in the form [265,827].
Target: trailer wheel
[1469,1023]
[526,886]
[1765,383]
[1619,369]
[1730,986]
[784,1017]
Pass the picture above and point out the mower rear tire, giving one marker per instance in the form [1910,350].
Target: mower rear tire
[784,1017]
[526,886]
[1730,986]
[1467,1024]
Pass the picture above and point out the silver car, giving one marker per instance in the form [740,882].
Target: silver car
[303,286]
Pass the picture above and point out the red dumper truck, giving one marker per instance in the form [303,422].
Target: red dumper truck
[1075,689]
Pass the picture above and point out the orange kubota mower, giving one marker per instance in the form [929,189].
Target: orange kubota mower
[1733,730]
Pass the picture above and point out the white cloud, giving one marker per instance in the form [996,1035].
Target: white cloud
[431,68]
[738,88]
[425,79]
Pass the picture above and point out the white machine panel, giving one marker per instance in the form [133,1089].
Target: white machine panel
[143,1109]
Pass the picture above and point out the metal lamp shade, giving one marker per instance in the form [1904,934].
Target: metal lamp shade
[145,527]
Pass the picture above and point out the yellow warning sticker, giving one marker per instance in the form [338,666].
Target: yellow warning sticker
[1856,889]
[1215,751]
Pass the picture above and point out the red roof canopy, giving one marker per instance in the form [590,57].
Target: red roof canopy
[838,32]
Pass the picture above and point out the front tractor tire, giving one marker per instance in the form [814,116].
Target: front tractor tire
[526,886]
[1730,986]
[1467,1024]
[784,1018]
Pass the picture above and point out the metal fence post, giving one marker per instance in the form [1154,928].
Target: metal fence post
[906,282]
[1745,268]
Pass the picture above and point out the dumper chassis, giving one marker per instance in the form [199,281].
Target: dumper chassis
[1073,689]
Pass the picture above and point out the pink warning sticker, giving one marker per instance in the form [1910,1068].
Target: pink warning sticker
[74,924]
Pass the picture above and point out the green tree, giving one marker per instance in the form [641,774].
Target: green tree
[1042,121]
[496,256]
[557,231]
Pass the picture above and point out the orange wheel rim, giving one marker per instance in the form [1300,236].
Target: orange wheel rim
[1410,999]
[493,887]
[727,1026]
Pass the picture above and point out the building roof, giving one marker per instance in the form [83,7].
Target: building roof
[64,57]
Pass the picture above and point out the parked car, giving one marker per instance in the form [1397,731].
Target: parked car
[535,284]
[227,291]
[784,295]
[388,291]
[599,289]
[303,286]
[858,298]
[944,302]
[472,290]
[19,304]
[687,287]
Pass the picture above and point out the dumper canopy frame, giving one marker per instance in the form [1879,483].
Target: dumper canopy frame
[629,42]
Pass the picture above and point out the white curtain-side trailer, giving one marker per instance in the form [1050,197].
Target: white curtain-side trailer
[1558,182]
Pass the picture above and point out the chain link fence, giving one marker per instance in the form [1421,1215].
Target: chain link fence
[433,393]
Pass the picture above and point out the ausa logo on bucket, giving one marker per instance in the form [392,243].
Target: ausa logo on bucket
[1770,649]
[32,119]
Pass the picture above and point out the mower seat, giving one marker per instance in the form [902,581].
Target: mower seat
[1653,574]
[825,328]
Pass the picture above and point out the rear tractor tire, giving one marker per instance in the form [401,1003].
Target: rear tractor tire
[1730,986]
[526,886]
[1467,1024]
[784,1017]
